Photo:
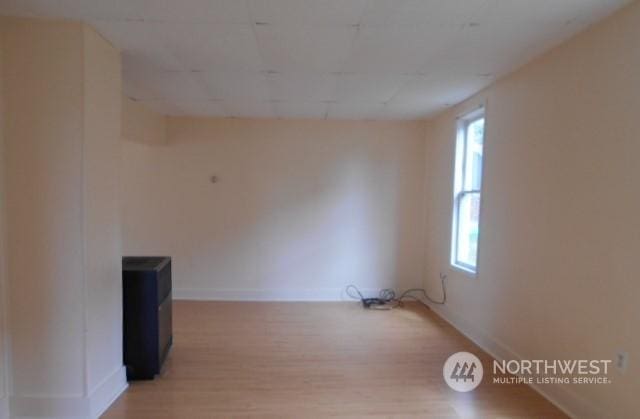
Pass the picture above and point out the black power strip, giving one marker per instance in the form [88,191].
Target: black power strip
[368,302]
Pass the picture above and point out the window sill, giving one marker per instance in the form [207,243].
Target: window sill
[466,271]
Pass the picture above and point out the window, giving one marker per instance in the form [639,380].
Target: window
[466,191]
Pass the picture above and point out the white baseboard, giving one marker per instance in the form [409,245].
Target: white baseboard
[561,396]
[71,407]
[49,407]
[107,392]
[321,294]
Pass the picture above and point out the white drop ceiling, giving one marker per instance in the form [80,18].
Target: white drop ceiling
[338,59]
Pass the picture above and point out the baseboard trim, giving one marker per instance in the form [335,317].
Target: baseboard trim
[107,392]
[71,407]
[562,397]
[49,407]
[208,294]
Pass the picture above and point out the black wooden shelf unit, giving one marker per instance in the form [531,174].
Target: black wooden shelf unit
[146,283]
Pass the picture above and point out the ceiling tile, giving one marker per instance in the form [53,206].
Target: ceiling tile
[218,11]
[296,48]
[208,108]
[179,86]
[186,46]
[214,47]
[355,110]
[164,107]
[424,93]
[314,12]
[236,86]
[302,87]
[316,110]
[412,12]
[407,112]
[494,49]
[323,12]
[141,41]
[397,49]
[557,12]
[248,109]
[71,9]
[368,88]
[306,57]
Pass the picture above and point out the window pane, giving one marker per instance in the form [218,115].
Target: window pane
[473,169]
[466,190]
[468,222]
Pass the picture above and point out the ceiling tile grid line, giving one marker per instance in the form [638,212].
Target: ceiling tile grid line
[331,59]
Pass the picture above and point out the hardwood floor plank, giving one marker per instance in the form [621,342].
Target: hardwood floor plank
[298,360]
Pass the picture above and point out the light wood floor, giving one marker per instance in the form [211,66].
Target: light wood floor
[295,360]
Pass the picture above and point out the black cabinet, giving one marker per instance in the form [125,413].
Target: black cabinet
[146,283]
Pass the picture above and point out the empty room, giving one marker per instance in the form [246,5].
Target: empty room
[319,209]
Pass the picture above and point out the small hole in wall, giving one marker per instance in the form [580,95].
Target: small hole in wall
[213,179]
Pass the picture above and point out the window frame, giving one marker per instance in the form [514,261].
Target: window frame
[459,191]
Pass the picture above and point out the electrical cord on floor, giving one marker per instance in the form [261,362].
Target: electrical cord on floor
[387,299]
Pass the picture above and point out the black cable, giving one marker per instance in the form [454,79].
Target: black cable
[407,293]
[386,301]
[387,297]
[387,294]
[361,297]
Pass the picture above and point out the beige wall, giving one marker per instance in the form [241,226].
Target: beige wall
[62,149]
[102,209]
[43,121]
[559,242]
[142,125]
[301,209]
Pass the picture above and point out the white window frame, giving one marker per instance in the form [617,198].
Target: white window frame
[459,191]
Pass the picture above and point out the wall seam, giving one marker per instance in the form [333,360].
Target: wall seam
[7,375]
[85,291]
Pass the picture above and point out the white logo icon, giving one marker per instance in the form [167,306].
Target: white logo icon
[462,371]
